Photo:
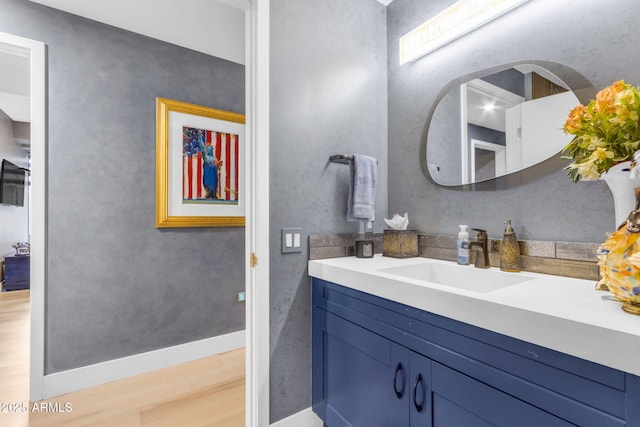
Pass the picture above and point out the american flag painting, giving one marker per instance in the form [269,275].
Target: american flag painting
[209,166]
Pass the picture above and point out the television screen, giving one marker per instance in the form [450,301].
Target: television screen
[12,181]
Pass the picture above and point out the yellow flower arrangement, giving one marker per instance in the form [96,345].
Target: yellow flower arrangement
[606,131]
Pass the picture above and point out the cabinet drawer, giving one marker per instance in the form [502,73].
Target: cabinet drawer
[461,401]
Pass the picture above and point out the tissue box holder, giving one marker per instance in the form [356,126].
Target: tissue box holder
[400,243]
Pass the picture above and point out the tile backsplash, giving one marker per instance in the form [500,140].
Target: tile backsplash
[559,258]
[323,246]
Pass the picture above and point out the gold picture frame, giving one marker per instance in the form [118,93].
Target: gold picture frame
[199,166]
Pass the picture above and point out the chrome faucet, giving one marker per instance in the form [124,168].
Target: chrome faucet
[482,243]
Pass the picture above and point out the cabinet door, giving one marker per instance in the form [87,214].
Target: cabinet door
[365,380]
[461,401]
[420,398]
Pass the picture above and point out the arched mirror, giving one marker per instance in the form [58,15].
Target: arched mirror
[501,126]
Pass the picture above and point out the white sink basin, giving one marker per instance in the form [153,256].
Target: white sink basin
[458,276]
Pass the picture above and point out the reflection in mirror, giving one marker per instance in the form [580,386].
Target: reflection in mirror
[498,124]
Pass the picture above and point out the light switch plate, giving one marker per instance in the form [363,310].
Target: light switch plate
[291,240]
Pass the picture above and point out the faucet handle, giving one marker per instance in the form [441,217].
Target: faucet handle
[481,233]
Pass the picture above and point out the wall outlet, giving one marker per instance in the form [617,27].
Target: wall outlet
[368,227]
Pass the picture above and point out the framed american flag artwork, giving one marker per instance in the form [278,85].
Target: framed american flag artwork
[199,166]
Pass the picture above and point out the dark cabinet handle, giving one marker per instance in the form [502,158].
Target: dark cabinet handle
[419,406]
[399,370]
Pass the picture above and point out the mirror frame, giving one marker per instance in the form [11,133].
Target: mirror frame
[581,87]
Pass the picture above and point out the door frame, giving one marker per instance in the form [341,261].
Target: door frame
[500,154]
[257,221]
[38,85]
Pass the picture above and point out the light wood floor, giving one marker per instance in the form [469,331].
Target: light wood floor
[206,392]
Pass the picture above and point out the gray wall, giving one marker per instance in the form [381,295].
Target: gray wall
[328,96]
[118,286]
[595,39]
[444,157]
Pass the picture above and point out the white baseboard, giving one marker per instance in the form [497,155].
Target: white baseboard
[304,418]
[113,370]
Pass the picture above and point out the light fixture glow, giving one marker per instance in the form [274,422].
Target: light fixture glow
[453,22]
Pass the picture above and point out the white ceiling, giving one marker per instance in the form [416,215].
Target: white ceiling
[14,82]
[166,20]
[160,19]
[215,27]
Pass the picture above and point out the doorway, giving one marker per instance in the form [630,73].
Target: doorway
[36,53]
[257,231]
[14,221]
[487,160]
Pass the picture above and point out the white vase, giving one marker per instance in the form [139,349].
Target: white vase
[623,190]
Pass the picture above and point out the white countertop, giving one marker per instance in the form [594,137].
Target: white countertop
[556,312]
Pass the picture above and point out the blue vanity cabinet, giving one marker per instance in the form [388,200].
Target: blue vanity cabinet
[377,362]
[364,380]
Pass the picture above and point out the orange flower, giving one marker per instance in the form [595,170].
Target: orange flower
[606,131]
[605,99]
[575,119]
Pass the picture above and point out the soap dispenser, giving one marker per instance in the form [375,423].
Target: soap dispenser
[462,246]
[509,250]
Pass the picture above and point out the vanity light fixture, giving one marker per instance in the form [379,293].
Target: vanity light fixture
[457,20]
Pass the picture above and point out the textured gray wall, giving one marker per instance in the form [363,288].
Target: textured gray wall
[118,286]
[444,157]
[328,96]
[595,39]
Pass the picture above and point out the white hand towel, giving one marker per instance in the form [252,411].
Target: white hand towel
[362,191]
